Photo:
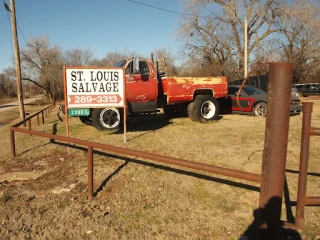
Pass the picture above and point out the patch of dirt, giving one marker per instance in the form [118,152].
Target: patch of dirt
[20,176]
[47,162]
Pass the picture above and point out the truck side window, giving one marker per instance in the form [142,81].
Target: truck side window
[129,68]
[144,68]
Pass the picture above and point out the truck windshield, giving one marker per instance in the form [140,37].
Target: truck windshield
[120,64]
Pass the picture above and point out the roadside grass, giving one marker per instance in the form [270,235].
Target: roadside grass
[140,199]
[6,99]
[9,116]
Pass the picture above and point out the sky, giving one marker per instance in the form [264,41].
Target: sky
[100,25]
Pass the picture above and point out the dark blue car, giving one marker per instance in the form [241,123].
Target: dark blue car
[253,101]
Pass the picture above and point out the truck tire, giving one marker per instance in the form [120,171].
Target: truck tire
[190,114]
[106,118]
[204,108]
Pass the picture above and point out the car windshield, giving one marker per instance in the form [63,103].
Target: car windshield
[120,64]
[252,90]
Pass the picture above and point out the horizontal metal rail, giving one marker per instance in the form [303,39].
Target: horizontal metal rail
[42,112]
[155,157]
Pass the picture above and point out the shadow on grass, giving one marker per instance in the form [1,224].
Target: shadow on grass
[146,123]
[271,225]
[58,115]
[288,202]
[54,132]
[309,173]
[10,105]
[104,183]
[275,228]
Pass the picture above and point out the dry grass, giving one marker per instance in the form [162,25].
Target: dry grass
[6,99]
[140,199]
[12,114]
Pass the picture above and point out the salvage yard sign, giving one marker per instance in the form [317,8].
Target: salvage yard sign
[94,87]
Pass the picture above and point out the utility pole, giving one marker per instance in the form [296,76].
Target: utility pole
[17,59]
[245,47]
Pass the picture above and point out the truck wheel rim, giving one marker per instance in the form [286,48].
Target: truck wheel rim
[110,118]
[208,109]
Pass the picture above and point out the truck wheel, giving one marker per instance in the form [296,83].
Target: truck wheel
[105,118]
[204,108]
[190,114]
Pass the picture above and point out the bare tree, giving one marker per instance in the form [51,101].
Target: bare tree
[214,31]
[78,57]
[161,53]
[299,26]
[47,62]
[7,82]
[114,56]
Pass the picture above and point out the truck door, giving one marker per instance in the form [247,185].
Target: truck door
[140,86]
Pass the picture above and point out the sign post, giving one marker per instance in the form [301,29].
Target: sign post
[93,87]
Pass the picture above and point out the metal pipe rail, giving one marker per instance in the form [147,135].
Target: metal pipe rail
[42,112]
[155,157]
[307,132]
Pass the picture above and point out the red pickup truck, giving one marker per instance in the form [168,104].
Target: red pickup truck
[148,88]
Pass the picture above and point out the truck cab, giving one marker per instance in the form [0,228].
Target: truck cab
[141,85]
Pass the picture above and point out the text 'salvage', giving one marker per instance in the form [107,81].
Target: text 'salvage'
[100,81]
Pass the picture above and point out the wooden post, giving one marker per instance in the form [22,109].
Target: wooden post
[17,59]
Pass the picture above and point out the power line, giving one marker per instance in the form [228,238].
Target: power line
[162,9]
[8,10]
[166,10]
[22,34]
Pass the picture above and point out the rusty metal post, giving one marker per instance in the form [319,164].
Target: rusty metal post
[38,121]
[13,144]
[303,168]
[90,173]
[275,150]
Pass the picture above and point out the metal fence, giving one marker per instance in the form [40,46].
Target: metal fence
[307,132]
[155,157]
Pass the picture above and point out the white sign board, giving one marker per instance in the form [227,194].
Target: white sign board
[94,87]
